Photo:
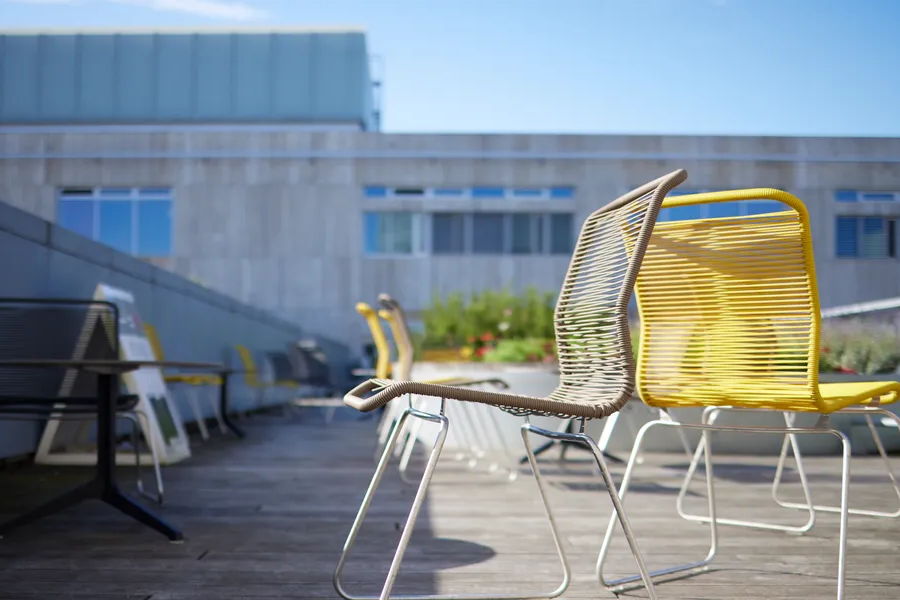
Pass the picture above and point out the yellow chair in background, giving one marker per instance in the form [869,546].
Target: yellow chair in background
[730,319]
[194,382]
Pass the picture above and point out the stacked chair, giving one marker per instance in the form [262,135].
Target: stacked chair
[730,320]
[479,430]
[472,441]
[193,384]
[597,371]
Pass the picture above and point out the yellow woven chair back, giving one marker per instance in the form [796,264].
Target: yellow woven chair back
[729,308]
[251,373]
[153,338]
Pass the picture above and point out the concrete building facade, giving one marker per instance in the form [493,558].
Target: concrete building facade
[304,217]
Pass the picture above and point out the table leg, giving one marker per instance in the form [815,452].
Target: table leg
[103,486]
[67,500]
[223,408]
[109,492]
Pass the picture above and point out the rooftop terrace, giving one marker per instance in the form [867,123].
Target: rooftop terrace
[266,517]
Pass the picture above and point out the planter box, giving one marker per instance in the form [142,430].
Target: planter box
[535,379]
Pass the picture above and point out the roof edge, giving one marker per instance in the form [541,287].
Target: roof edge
[184,30]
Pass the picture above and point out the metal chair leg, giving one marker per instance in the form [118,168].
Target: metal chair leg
[198,414]
[867,413]
[694,568]
[217,410]
[709,417]
[413,514]
[140,423]
[618,509]
[821,428]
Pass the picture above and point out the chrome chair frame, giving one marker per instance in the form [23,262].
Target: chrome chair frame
[822,427]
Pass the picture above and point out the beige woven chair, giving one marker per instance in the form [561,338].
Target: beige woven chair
[597,370]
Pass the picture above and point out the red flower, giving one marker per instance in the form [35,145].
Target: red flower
[471,339]
[487,336]
[481,351]
[825,350]
[846,370]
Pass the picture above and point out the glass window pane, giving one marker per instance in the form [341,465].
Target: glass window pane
[115,224]
[487,233]
[488,192]
[878,197]
[77,216]
[447,233]
[765,207]
[371,231]
[115,192]
[561,241]
[154,228]
[874,238]
[846,242]
[399,240]
[449,192]
[725,209]
[375,192]
[682,213]
[845,196]
[528,193]
[522,226]
[562,192]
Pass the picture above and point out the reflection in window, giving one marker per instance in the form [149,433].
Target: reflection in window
[390,233]
[561,234]
[115,224]
[524,229]
[136,221]
[447,233]
[865,237]
[77,216]
[487,233]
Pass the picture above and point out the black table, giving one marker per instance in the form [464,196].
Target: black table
[103,486]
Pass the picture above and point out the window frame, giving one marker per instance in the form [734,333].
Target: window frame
[551,193]
[134,195]
[889,224]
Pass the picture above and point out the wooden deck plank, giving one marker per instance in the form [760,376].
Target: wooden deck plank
[266,517]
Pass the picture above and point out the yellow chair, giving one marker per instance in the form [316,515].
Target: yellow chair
[478,424]
[253,379]
[193,382]
[730,318]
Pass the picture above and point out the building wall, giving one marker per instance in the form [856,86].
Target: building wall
[275,219]
[42,260]
[185,77]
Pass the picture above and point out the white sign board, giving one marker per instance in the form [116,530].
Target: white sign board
[64,441]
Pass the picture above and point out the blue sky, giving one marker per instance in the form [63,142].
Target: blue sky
[756,67]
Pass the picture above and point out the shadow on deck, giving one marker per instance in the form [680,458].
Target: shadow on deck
[266,517]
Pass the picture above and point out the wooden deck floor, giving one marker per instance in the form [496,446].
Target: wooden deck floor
[266,517]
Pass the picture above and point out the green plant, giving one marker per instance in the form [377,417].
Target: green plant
[483,317]
[513,351]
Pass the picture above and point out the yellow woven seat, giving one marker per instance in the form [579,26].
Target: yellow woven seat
[836,396]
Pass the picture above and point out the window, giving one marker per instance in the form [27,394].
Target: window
[472,233]
[715,210]
[448,233]
[526,234]
[392,233]
[865,237]
[489,192]
[136,221]
[858,196]
[487,233]
[561,234]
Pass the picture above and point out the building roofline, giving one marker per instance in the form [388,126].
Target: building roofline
[272,29]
